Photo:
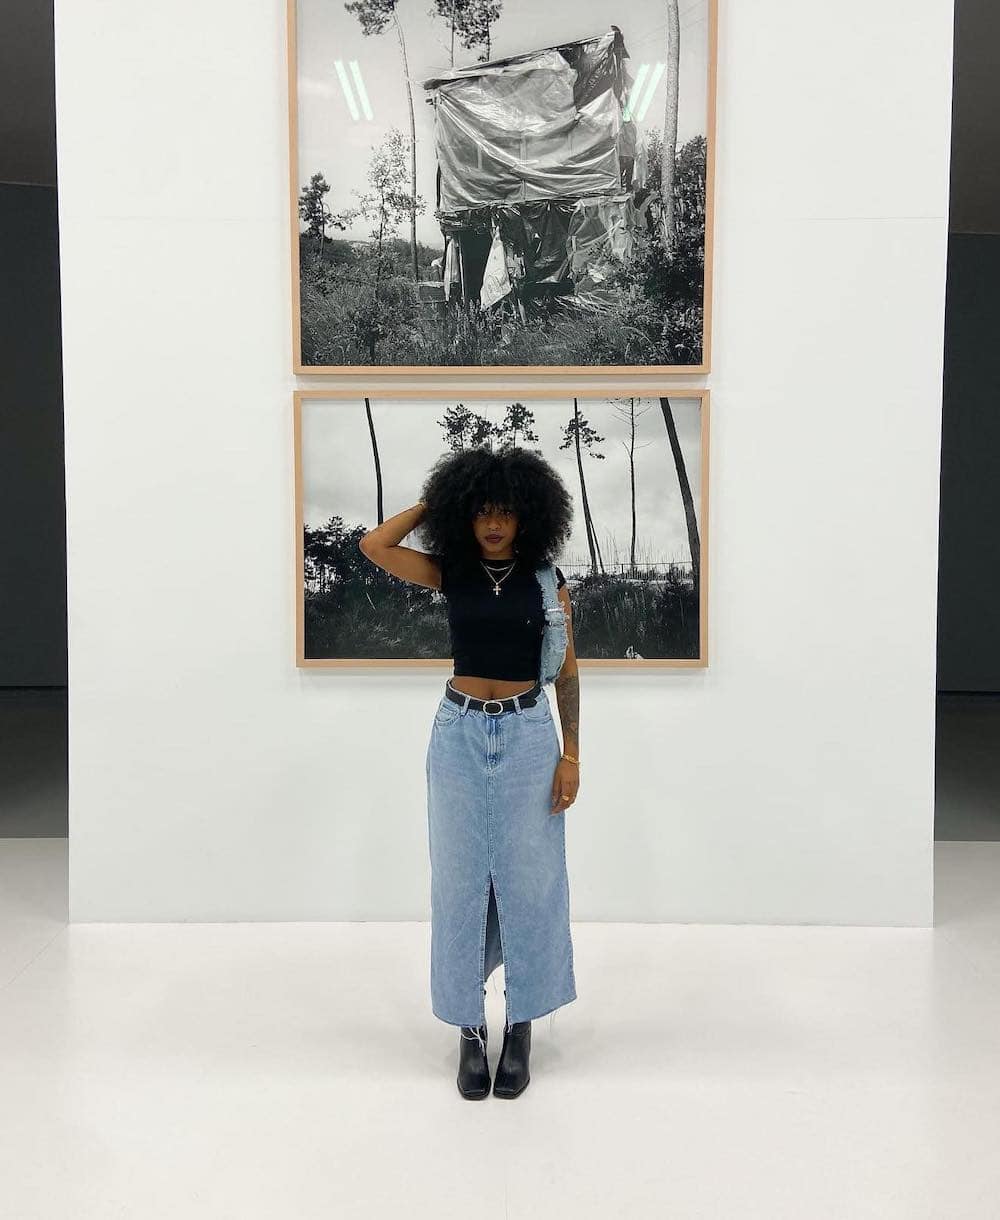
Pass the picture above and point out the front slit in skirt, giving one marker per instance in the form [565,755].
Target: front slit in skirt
[499,887]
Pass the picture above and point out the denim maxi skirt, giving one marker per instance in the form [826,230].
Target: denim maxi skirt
[499,887]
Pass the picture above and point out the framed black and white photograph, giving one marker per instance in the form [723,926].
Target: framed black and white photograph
[635,562]
[484,183]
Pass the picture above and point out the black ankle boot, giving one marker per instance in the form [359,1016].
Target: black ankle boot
[473,1068]
[512,1071]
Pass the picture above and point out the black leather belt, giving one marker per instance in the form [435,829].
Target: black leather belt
[494,707]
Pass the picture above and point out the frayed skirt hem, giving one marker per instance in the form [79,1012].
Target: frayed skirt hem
[480,1018]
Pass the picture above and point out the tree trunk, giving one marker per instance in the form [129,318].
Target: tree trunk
[583,487]
[692,521]
[413,152]
[378,277]
[378,465]
[597,547]
[378,246]
[631,466]
[668,155]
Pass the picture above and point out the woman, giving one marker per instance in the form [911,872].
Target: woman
[497,780]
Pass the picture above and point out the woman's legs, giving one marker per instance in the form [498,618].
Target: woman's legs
[499,891]
[528,861]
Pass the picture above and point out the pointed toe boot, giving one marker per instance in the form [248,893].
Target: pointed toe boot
[512,1074]
[473,1068]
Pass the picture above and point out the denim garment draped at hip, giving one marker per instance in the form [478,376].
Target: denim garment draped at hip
[499,887]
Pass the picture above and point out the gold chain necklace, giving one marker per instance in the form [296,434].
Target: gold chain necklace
[497,583]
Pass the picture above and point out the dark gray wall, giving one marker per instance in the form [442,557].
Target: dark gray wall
[975,134]
[969,565]
[32,502]
[969,560]
[27,93]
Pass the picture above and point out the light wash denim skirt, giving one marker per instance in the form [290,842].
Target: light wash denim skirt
[499,887]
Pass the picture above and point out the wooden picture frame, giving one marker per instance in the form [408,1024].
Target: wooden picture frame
[302,400]
[325,303]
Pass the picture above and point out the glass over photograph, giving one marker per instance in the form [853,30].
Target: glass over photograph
[500,183]
[635,469]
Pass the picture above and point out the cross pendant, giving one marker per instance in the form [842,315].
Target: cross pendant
[496,589]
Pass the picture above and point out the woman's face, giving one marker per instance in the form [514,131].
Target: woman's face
[495,529]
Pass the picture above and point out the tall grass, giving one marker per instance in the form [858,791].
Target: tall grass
[623,611]
[367,613]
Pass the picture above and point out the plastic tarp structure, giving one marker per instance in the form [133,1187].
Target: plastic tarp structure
[530,155]
[496,277]
[600,232]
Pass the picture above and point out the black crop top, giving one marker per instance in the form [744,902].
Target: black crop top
[495,635]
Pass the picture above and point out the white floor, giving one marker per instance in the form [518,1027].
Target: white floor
[292,1071]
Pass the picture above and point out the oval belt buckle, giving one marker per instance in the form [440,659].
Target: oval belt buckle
[487,710]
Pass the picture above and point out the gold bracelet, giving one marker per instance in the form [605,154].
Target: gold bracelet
[571,759]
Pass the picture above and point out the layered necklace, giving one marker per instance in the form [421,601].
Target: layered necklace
[490,573]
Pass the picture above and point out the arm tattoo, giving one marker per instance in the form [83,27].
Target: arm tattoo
[568,697]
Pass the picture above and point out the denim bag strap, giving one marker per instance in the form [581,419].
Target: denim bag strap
[555,638]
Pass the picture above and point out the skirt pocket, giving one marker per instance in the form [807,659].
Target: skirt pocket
[447,712]
[540,710]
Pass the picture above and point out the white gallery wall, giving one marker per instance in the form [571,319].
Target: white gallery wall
[790,782]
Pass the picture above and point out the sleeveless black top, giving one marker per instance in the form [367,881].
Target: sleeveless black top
[495,635]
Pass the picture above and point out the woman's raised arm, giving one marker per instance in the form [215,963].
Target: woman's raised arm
[381,546]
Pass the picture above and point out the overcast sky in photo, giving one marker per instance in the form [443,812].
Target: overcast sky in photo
[338,471]
[335,144]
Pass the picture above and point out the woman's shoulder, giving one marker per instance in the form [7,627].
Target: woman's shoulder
[560,578]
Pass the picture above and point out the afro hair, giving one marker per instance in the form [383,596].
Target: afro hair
[463,481]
